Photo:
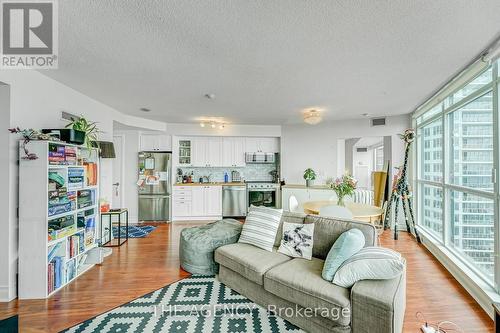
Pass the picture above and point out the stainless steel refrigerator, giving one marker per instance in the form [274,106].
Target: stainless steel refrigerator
[154,186]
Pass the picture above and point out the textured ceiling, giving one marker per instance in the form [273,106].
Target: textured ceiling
[267,60]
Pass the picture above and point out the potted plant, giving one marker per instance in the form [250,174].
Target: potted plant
[309,176]
[88,127]
[343,186]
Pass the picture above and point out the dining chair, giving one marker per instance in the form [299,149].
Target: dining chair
[293,204]
[335,211]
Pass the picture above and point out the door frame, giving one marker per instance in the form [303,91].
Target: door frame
[122,169]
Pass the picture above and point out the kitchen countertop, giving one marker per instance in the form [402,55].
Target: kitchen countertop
[212,184]
[314,187]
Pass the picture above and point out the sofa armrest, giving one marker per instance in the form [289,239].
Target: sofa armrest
[378,306]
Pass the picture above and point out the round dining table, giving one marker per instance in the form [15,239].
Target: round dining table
[360,212]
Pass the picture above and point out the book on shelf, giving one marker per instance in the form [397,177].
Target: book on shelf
[89,231]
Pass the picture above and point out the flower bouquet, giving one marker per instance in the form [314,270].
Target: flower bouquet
[343,186]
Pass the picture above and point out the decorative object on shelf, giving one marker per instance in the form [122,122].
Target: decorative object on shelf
[66,134]
[401,192]
[309,176]
[29,135]
[343,186]
[89,127]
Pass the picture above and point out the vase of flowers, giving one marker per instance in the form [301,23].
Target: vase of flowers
[343,186]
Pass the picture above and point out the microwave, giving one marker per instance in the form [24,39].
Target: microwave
[260,158]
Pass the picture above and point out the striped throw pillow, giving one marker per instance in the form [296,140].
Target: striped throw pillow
[370,263]
[260,227]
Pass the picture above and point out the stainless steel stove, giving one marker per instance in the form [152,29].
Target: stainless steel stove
[263,193]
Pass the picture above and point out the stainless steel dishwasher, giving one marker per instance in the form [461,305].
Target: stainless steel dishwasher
[234,201]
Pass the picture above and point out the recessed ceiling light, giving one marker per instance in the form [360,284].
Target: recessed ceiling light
[221,126]
[145,109]
[202,124]
[212,125]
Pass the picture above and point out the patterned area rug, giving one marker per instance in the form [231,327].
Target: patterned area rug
[193,305]
[134,231]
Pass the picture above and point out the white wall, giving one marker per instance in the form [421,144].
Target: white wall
[305,146]
[36,101]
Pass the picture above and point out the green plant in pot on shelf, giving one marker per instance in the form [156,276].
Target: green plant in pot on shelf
[309,176]
[343,186]
[88,127]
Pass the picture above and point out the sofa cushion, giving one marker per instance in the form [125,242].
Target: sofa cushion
[261,226]
[299,281]
[289,217]
[248,260]
[327,230]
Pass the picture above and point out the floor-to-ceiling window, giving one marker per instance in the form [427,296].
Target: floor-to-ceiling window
[456,169]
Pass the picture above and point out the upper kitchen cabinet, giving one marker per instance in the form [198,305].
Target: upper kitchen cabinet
[185,152]
[207,152]
[233,152]
[155,142]
[262,145]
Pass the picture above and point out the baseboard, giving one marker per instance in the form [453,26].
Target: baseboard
[5,294]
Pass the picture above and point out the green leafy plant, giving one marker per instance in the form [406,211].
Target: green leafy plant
[309,174]
[89,127]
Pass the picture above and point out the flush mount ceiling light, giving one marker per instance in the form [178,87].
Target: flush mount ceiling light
[212,123]
[145,110]
[312,117]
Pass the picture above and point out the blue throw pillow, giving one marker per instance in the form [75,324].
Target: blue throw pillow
[347,245]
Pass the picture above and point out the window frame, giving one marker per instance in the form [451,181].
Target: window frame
[446,186]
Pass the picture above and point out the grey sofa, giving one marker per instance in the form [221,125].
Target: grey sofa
[294,289]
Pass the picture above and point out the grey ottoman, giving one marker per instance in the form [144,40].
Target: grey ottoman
[198,244]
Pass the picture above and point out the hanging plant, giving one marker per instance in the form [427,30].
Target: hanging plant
[89,127]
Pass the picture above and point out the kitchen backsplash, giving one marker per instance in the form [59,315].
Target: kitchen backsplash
[251,172]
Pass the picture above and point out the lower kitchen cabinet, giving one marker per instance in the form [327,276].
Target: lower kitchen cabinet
[197,202]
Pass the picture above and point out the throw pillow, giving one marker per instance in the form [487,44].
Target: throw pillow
[370,263]
[297,240]
[347,245]
[260,227]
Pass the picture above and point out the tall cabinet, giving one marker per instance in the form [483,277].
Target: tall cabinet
[58,215]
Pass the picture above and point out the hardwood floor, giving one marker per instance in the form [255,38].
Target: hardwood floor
[147,264]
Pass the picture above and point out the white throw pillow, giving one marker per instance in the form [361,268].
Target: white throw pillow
[261,226]
[370,263]
[297,240]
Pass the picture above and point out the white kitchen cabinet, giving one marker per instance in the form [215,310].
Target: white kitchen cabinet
[233,152]
[207,152]
[155,142]
[213,200]
[262,145]
[197,202]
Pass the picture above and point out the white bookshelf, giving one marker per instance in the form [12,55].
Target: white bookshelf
[69,217]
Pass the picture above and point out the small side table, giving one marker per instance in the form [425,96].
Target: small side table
[122,217]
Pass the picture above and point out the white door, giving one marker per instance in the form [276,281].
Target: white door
[198,201]
[117,198]
[149,142]
[239,152]
[214,152]
[198,152]
[227,152]
[213,200]
[252,145]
